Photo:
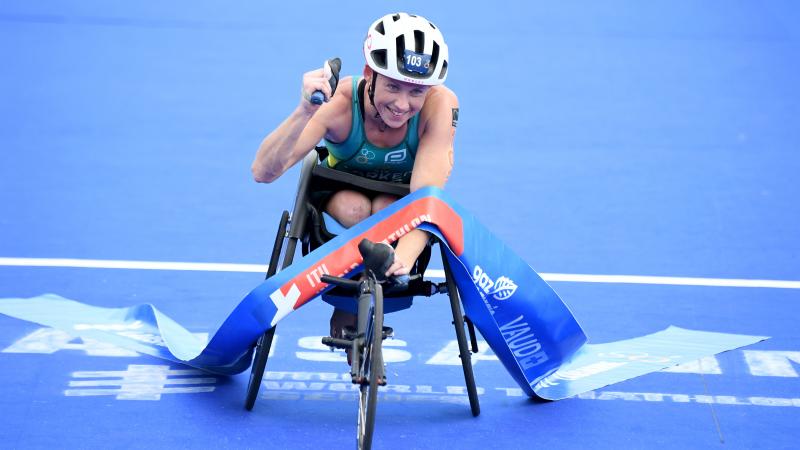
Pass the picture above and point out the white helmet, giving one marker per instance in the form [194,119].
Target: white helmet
[408,48]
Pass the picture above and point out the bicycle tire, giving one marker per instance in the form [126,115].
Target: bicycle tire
[368,393]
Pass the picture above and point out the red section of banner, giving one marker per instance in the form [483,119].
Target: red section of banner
[344,259]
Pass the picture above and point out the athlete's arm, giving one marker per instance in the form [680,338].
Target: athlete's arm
[300,132]
[432,165]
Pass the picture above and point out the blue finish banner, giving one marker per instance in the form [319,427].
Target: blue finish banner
[521,317]
[595,366]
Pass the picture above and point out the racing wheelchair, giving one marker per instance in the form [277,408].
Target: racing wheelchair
[306,227]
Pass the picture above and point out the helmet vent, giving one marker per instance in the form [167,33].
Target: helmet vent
[432,25]
[396,17]
[435,55]
[400,43]
[419,41]
[379,28]
[444,71]
[379,56]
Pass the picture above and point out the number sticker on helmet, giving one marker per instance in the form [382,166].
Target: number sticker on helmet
[416,62]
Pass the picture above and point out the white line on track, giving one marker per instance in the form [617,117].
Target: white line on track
[431,273]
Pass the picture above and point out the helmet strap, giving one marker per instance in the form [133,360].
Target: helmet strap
[371,91]
[371,94]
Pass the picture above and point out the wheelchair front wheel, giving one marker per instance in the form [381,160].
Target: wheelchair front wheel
[373,371]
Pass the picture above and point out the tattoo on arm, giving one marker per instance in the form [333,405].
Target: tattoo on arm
[455,117]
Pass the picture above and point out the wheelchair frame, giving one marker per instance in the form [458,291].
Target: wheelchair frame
[294,229]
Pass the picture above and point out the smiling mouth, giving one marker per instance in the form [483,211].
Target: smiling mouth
[394,113]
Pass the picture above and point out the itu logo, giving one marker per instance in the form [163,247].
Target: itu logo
[501,289]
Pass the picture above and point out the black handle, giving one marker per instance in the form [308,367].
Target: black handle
[335,64]
[378,257]
[345,283]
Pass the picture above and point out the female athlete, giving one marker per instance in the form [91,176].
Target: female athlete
[395,123]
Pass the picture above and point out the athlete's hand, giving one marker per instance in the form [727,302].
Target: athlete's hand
[398,268]
[315,80]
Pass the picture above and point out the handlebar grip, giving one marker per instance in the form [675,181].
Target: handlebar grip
[345,283]
[317,98]
[335,65]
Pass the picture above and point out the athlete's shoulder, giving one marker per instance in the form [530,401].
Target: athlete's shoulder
[442,93]
[441,104]
[345,88]
[439,98]
[336,115]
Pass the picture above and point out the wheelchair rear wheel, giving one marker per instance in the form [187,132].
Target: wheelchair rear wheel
[259,364]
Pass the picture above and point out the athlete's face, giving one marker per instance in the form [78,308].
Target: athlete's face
[398,101]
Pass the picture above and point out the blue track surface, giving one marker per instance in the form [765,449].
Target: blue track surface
[653,138]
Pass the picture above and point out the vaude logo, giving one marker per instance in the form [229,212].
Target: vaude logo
[396,157]
[501,289]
